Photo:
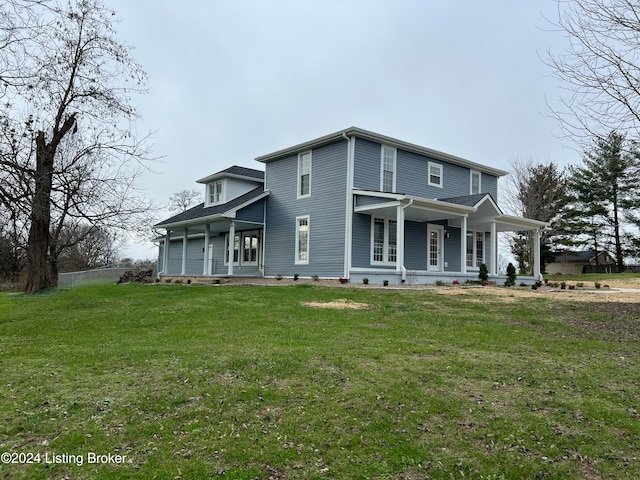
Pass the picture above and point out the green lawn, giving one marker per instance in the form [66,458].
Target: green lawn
[194,382]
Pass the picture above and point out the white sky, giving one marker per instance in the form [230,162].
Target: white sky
[231,80]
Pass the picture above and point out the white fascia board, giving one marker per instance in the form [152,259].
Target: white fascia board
[194,221]
[520,222]
[376,206]
[440,206]
[377,194]
[217,176]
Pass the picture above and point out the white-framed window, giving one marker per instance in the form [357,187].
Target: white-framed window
[249,248]
[388,169]
[304,175]
[475,249]
[236,249]
[245,248]
[216,192]
[384,241]
[434,175]
[302,240]
[475,181]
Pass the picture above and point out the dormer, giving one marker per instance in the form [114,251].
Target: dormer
[224,186]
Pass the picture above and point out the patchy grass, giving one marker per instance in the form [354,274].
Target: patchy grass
[250,382]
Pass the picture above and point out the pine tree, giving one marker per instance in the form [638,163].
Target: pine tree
[605,194]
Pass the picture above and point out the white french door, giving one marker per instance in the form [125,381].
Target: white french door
[435,235]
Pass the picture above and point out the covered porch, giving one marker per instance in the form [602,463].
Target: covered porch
[421,240]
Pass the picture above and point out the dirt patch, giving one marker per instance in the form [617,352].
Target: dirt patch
[612,294]
[341,303]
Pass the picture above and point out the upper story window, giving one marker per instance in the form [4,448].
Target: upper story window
[388,169]
[476,186]
[435,175]
[304,175]
[216,192]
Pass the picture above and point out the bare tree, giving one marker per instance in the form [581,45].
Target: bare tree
[66,73]
[183,200]
[600,69]
[534,189]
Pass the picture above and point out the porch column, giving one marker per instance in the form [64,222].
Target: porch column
[165,256]
[232,239]
[463,245]
[494,249]
[207,236]
[185,241]
[400,239]
[536,254]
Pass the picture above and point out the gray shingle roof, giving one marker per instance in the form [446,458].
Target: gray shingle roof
[466,200]
[200,211]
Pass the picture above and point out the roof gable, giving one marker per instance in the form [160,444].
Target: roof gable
[235,172]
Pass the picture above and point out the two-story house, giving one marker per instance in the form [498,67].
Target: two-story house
[353,204]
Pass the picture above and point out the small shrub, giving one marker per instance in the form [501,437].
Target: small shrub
[177,280]
[483,275]
[385,283]
[605,286]
[511,276]
[484,283]
[597,285]
[167,280]
[343,280]
[546,281]
[580,284]
[295,277]
[365,280]
[315,278]
[278,277]
[563,285]
[440,283]
[189,282]
[534,286]
[572,287]
[456,282]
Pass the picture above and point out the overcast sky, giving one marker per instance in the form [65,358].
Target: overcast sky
[232,80]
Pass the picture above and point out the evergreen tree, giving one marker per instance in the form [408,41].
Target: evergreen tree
[605,197]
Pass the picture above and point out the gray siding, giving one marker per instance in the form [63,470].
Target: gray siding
[235,187]
[411,174]
[252,213]
[416,246]
[326,208]
[452,250]
[361,244]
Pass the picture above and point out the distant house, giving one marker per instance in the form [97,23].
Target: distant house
[576,263]
[352,204]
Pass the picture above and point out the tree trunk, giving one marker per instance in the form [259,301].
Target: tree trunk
[38,273]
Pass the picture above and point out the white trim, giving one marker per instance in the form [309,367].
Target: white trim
[385,242]
[299,183]
[429,182]
[474,267]
[439,230]
[221,200]
[298,261]
[471,174]
[348,230]
[394,168]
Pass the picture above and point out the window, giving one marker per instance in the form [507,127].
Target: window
[388,169]
[475,182]
[304,175]
[236,250]
[250,249]
[245,248]
[216,193]
[435,175]
[302,240]
[384,248]
[475,249]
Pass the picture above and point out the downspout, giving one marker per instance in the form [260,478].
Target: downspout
[348,228]
[403,269]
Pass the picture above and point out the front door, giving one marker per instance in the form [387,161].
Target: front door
[435,234]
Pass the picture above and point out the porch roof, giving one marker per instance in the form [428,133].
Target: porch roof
[480,210]
[200,214]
